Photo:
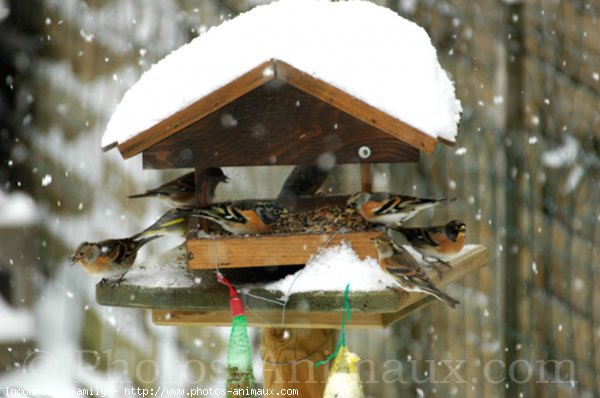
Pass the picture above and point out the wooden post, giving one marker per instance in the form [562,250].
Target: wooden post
[366,177]
[203,197]
[289,360]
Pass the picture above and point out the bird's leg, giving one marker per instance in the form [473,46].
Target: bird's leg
[103,280]
[118,281]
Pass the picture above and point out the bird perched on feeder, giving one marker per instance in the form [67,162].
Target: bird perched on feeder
[389,208]
[109,258]
[181,192]
[406,271]
[243,216]
[440,242]
[304,180]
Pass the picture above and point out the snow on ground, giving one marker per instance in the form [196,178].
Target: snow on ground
[17,208]
[364,49]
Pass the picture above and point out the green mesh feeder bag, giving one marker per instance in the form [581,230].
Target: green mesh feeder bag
[240,375]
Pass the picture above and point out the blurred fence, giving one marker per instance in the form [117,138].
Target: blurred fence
[526,171]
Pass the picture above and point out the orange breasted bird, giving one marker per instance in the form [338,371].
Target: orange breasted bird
[181,192]
[389,208]
[243,216]
[408,274]
[440,242]
[109,258]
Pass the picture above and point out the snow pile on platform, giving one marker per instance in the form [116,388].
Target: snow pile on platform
[332,269]
[166,270]
[364,49]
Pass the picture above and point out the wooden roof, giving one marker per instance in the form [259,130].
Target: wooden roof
[276,114]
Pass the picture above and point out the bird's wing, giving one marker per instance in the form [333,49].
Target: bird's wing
[419,237]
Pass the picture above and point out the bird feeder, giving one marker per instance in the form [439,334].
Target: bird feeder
[283,116]
[279,112]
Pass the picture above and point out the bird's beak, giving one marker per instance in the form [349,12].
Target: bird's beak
[73,259]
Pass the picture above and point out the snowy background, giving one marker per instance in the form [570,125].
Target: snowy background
[525,169]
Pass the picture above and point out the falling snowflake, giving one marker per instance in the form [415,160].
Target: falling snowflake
[534,267]
[47,180]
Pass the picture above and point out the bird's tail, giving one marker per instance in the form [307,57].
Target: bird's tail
[423,204]
[141,241]
[139,195]
[445,298]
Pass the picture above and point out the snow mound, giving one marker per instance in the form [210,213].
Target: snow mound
[332,269]
[364,49]
[167,270]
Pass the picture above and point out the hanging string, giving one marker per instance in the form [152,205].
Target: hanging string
[281,302]
[346,316]
[342,230]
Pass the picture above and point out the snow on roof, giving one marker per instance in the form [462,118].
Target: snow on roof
[366,50]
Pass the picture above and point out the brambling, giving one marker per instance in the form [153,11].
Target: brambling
[109,258]
[406,271]
[243,216]
[304,180]
[440,242]
[173,222]
[181,192]
[389,208]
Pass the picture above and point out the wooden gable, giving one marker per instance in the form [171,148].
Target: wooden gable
[276,114]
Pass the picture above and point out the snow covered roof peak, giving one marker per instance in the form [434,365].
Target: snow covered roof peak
[365,50]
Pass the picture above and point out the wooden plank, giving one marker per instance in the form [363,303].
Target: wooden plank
[295,319]
[472,260]
[289,361]
[196,111]
[369,309]
[355,107]
[268,250]
[276,124]
[366,178]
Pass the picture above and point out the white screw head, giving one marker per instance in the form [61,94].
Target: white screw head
[364,152]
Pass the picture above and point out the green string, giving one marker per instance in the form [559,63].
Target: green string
[346,316]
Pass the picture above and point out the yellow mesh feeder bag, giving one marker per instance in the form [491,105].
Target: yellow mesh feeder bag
[343,380]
